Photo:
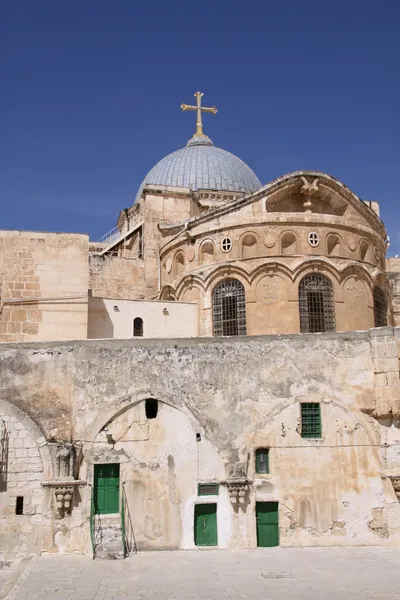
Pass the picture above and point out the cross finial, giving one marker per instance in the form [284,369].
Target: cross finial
[199,108]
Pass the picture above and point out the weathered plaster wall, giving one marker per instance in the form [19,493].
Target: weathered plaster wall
[238,394]
[44,283]
[161,319]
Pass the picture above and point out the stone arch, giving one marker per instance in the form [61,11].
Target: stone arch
[21,490]
[222,272]
[179,263]
[168,293]
[288,243]
[333,244]
[318,265]
[106,415]
[248,245]
[207,252]
[270,268]
[35,431]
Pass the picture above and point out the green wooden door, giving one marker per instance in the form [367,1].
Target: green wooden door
[205,525]
[106,488]
[267,524]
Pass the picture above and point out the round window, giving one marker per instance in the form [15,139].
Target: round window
[226,244]
[313,239]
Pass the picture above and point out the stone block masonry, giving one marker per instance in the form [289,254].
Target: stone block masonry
[43,286]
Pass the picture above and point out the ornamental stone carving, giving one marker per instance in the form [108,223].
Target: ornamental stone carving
[237,482]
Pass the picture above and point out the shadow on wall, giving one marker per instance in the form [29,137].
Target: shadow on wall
[100,324]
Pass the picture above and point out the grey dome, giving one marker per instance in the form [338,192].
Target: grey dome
[200,165]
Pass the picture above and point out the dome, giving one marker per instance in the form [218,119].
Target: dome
[201,165]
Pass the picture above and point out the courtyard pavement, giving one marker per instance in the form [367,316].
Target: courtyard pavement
[368,573]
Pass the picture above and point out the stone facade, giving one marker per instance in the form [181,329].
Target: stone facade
[44,286]
[339,488]
[156,420]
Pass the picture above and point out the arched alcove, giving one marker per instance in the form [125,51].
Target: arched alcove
[288,243]
[333,244]
[206,253]
[179,263]
[249,246]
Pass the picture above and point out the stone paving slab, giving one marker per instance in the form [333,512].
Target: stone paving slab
[371,573]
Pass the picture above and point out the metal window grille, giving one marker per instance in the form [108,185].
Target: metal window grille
[316,304]
[262,460]
[226,245]
[313,239]
[137,327]
[380,308]
[208,489]
[229,308]
[310,420]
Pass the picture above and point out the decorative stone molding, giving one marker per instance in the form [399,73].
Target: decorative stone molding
[64,492]
[237,482]
[66,458]
[395,479]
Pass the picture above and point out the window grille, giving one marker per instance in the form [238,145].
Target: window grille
[262,460]
[137,327]
[313,239]
[316,304]
[380,308]
[208,489]
[226,245]
[310,420]
[229,308]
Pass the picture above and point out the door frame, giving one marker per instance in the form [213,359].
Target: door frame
[96,467]
[277,524]
[214,504]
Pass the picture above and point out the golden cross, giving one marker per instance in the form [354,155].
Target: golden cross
[199,108]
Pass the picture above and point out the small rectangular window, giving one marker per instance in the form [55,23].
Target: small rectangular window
[262,460]
[19,505]
[208,489]
[310,420]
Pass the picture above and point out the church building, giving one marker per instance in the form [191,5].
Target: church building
[220,369]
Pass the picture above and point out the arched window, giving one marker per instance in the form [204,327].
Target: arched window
[380,307]
[137,327]
[229,308]
[316,304]
[151,408]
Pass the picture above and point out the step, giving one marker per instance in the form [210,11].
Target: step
[108,543]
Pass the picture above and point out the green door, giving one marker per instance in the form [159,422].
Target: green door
[267,524]
[106,488]
[205,525]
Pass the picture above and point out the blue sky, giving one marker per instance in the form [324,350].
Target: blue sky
[91,89]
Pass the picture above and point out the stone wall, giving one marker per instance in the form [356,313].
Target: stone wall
[218,401]
[44,283]
[118,277]
[393,271]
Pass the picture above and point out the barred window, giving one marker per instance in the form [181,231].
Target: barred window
[262,460]
[316,304]
[310,420]
[138,327]
[380,307]
[229,308]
